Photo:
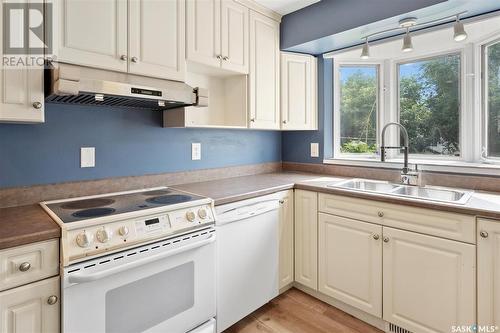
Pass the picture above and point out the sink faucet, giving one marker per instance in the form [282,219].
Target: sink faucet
[407,177]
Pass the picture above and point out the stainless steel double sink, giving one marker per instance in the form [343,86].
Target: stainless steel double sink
[429,193]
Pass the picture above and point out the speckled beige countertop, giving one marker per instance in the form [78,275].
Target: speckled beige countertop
[485,204]
[27,224]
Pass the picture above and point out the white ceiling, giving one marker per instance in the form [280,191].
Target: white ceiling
[286,6]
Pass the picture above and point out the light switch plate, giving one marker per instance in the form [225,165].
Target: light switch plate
[314,149]
[196,151]
[87,157]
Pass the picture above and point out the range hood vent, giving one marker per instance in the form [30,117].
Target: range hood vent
[78,85]
[113,101]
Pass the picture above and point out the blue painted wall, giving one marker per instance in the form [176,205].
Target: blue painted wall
[128,142]
[329,17]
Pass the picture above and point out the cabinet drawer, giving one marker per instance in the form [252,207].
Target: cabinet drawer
[426,221]
[28,263]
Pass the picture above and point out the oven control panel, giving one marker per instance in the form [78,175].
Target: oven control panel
[89,241]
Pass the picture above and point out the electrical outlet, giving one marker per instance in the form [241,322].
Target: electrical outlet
[87,157]
[314,149]
[196,151]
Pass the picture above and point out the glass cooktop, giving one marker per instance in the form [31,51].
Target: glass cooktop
[107,205]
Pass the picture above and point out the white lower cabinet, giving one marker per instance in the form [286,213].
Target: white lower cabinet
[32,308]
[350,262]
[286,239]
[306,238]
[488,272]
[429,282]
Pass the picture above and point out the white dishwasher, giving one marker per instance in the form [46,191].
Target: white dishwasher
[247,257]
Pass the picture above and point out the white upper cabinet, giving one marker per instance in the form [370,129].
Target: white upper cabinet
[203,32]
[488,272]
[91,34]
[156,38]
[217,34]
[298,92]
[429,283]
[144,37]
[264,75]
[234,36]
[21,90]
[350,262]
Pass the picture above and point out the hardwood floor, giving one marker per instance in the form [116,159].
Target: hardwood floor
[297,312]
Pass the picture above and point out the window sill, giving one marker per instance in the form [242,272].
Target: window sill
[445,166]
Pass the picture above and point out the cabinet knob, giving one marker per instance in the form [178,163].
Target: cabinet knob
[52,300]
[376,237]
[282,202]
[123,57]
[284,121]
[219,57]
[380,214]
[134,59]
[252,120]
[386,239]
[483,234]
[225,58]
[25,266]
[37,105]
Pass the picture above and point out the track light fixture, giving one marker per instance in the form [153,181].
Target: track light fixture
[407,44]
[459,33]
[365,52]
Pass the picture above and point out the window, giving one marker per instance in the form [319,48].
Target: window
[492,100]
[358,108]
[429,104]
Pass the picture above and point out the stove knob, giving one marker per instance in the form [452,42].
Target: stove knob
[104,235]
[85,239]
[202,213]
[123,231]
[190,216]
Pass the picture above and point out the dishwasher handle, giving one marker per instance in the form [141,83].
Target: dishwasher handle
[233,214]
[85,277]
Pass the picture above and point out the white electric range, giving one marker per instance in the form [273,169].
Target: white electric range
[137,261]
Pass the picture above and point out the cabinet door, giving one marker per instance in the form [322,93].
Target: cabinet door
[32,308]
[306,238]
[91,34]
[298,92]
[234,36]
[203,32]
[429,283]
[264,72]
[350,262]
[286,239]
[488,273]
[156,38]
[21,90]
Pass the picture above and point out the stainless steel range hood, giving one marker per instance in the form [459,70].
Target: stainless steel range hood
[70,84]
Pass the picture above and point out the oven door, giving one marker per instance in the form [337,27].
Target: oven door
[168,286]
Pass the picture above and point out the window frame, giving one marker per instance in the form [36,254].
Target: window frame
[379,65]
[483,46]
[396,110]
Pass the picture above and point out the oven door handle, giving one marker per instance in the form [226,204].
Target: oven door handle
[83,278]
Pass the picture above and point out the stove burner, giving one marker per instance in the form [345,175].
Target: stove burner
[169,199]
[93,212]
[157,192]
[88,203]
